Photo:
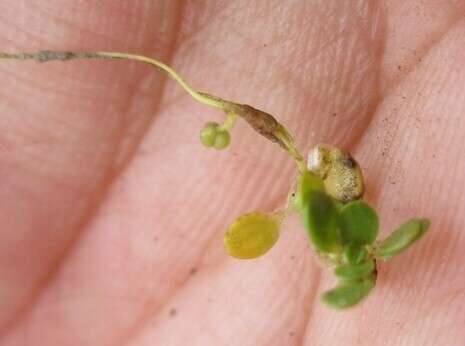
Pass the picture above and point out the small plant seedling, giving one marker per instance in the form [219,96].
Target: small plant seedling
[328,192]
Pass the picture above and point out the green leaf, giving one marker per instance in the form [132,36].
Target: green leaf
[359,223]
[320,218]
[348,294]
[306,183]
[402,238]
[252,235]
[354,253]
[355,271]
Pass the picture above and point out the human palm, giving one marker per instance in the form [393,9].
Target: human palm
[113,213]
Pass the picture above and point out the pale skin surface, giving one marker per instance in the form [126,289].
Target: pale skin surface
[112,213]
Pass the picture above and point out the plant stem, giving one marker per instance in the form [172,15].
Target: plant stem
[229,122]
[262,122]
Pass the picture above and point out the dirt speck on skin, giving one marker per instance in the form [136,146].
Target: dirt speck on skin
[173,312]
[292,257]
[193,271]
[291,334]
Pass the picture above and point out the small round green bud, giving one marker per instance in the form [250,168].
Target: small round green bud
[222,139]
[208,134]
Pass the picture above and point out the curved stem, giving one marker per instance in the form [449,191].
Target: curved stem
[202,98]
[262,122]
[44,56]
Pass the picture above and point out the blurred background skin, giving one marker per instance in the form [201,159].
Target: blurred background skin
[112,213]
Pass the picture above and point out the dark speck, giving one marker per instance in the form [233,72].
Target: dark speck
[349,161]
[193,270]
[173,312]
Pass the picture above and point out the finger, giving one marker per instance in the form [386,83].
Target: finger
[168,226]
[413,152]
[67,129]
[412,29]
[252,175]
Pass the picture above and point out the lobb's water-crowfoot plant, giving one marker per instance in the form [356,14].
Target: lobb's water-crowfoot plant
[327,194]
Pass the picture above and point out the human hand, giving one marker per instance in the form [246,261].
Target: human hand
[113,214]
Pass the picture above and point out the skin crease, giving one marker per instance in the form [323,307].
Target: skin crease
[113,213]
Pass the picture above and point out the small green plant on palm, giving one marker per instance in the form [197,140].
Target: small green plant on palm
[327,194]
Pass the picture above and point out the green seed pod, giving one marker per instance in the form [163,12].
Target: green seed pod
[222,139]
[355,271]
[348,294]
[341,174]
[402,238]
[354,253]
[208,134]
[252,235]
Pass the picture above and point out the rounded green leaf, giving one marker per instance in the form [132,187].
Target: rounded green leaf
[359,223]
[252,235]
[306,182]
[320,218]
[402,238]
[355,271]
[348,294]
[354,253]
